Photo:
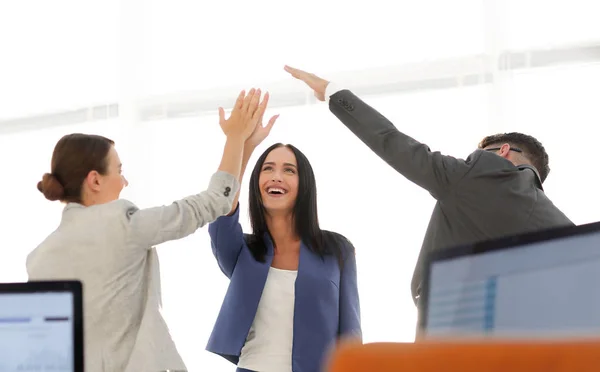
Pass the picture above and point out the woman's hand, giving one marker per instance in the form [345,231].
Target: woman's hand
[261,132]
[245,115]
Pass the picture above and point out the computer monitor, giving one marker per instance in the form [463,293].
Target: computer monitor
[41,326]
[542,284]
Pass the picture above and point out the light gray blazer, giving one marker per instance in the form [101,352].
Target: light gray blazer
[109,247]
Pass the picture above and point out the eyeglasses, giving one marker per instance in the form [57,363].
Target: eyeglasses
[511,149]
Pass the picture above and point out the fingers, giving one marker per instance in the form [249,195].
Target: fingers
[254,101]
[271,123]
[262,108]
[294,71]
[247,100]
[240,100]
[222,114]
[298,74]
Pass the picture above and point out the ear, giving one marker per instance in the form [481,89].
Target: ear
[504,150]
[93,180]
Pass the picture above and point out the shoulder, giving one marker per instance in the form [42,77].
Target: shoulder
[331,238]
[486,162]
[123,206]
[475,156]
[486,158]
[118,210]
[35,258]
[110,211]
[122,203]
[481,162]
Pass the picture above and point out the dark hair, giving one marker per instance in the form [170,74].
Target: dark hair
[305,213]
[74,157]
[531,147]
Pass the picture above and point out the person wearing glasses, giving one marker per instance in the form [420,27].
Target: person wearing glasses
[496,191]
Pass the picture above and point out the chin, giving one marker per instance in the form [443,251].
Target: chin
[277,208]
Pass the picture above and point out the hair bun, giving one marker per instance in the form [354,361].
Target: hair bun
[51,187]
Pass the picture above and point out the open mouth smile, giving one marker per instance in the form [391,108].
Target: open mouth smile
[276,191]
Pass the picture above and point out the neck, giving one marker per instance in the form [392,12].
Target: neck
[89,199]
[282,229]
[518,160]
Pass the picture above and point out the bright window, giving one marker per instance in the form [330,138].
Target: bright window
[539,23]
[198,45]
[57,55]
[559,107]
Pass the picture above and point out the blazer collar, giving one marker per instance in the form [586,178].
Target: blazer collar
[70,206]
[538,180]
[69,211]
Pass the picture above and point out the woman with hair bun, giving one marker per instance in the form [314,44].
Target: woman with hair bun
[107,242]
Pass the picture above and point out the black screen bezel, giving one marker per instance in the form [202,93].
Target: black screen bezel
[76,290]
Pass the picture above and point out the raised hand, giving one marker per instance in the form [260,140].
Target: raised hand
[315,83]
[245,115]
[261,132]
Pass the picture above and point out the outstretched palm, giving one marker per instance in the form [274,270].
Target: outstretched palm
[317,84]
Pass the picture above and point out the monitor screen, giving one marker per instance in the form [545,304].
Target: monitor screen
[542,289]
[36,332]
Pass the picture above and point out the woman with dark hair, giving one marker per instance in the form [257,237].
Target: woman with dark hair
[107,242]
[293,289]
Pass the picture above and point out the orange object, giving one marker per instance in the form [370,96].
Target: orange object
[488,356]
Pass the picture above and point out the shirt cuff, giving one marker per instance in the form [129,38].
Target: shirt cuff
[332,88]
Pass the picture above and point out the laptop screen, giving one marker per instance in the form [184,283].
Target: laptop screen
[36,331]
[541,289]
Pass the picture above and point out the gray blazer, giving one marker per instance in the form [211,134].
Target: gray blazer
[109,247]
[482,197]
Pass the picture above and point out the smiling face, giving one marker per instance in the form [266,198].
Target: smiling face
[278,181]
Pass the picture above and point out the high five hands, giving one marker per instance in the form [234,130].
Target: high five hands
[245,115]
[246,119]
[261,132]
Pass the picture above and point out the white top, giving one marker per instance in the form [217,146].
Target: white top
[109,248]
[268,347]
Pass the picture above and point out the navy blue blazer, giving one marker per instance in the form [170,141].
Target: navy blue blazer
[326,306]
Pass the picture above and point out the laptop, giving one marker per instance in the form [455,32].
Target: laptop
[535,285]
[41,326]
